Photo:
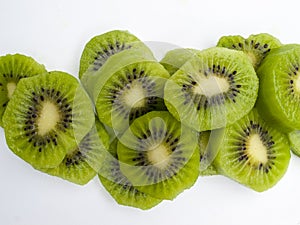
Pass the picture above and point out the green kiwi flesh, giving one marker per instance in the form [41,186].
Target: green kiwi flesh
[76,167]
[101,47]
[294,138]
[12,69]
[279,93]
[214,89]
[175,58]
[43,119]
[253,153]
[256,46]
[118,185]
[159,155]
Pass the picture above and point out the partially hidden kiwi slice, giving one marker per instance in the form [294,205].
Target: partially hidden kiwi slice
[256,46]
[97,51]
[118,185]
[79,165]
[253,153]
[130,91]
[279,93]
[175,58]
[214,89]
[159,155]
[12,69]
[44,118]
[294,138]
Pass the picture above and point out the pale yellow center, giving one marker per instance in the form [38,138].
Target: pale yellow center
[11,86]
[256,150]
[297,83]
[252,58]
[135,96]
[48,118]
[159,156]
[211,85]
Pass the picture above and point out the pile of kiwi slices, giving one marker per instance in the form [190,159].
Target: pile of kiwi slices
[147,128]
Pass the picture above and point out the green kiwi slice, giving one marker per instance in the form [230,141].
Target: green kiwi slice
[175,58]
[294,138]
[159,155]
[44,118]
[214,89]
[118,185]
[76,167]
[101,47]
[279,93]
[253,153]
[256,46]
[12,69]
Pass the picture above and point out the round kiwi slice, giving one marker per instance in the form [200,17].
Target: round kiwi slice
[101,47]
[279,93]
[159,155]
[119,187]
[12,69]
[175,58]
[214,89]
[129,92]
[44,118]
[76,167]
[294,138]
[256,46]
[253,153]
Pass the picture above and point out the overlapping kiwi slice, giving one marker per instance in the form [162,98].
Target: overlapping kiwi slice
[47,116]
[279,92]
[159,155]
[81,164]
[129,92]
[175,58]
[118,185]
[101,47]
[12,69]
[253,153]
[214,89]
[294,138]
[256,46]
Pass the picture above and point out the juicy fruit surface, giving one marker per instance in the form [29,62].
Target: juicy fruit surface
[253,153]
[294,138]
[159,155]
[212,90]
[279,93]
[12,69]
[78,166]
[118,185]
[101,47]
[131,92]
[256,47]
[44,118]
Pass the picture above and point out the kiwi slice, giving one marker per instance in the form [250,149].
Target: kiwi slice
[12,69]
[129,92]
[253,153]
[101,47]
[119,187]
[175,58]
[159,155]
[256,46]
[44,118]
[76,167]
[214,89]
[294,138]
[279,92]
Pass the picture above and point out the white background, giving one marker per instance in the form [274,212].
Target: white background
[55,32]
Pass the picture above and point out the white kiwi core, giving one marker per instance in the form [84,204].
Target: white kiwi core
[135,96]
[211,85]
[297,83]
[256,150]
[48,118]
[159,156]
[11,86]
